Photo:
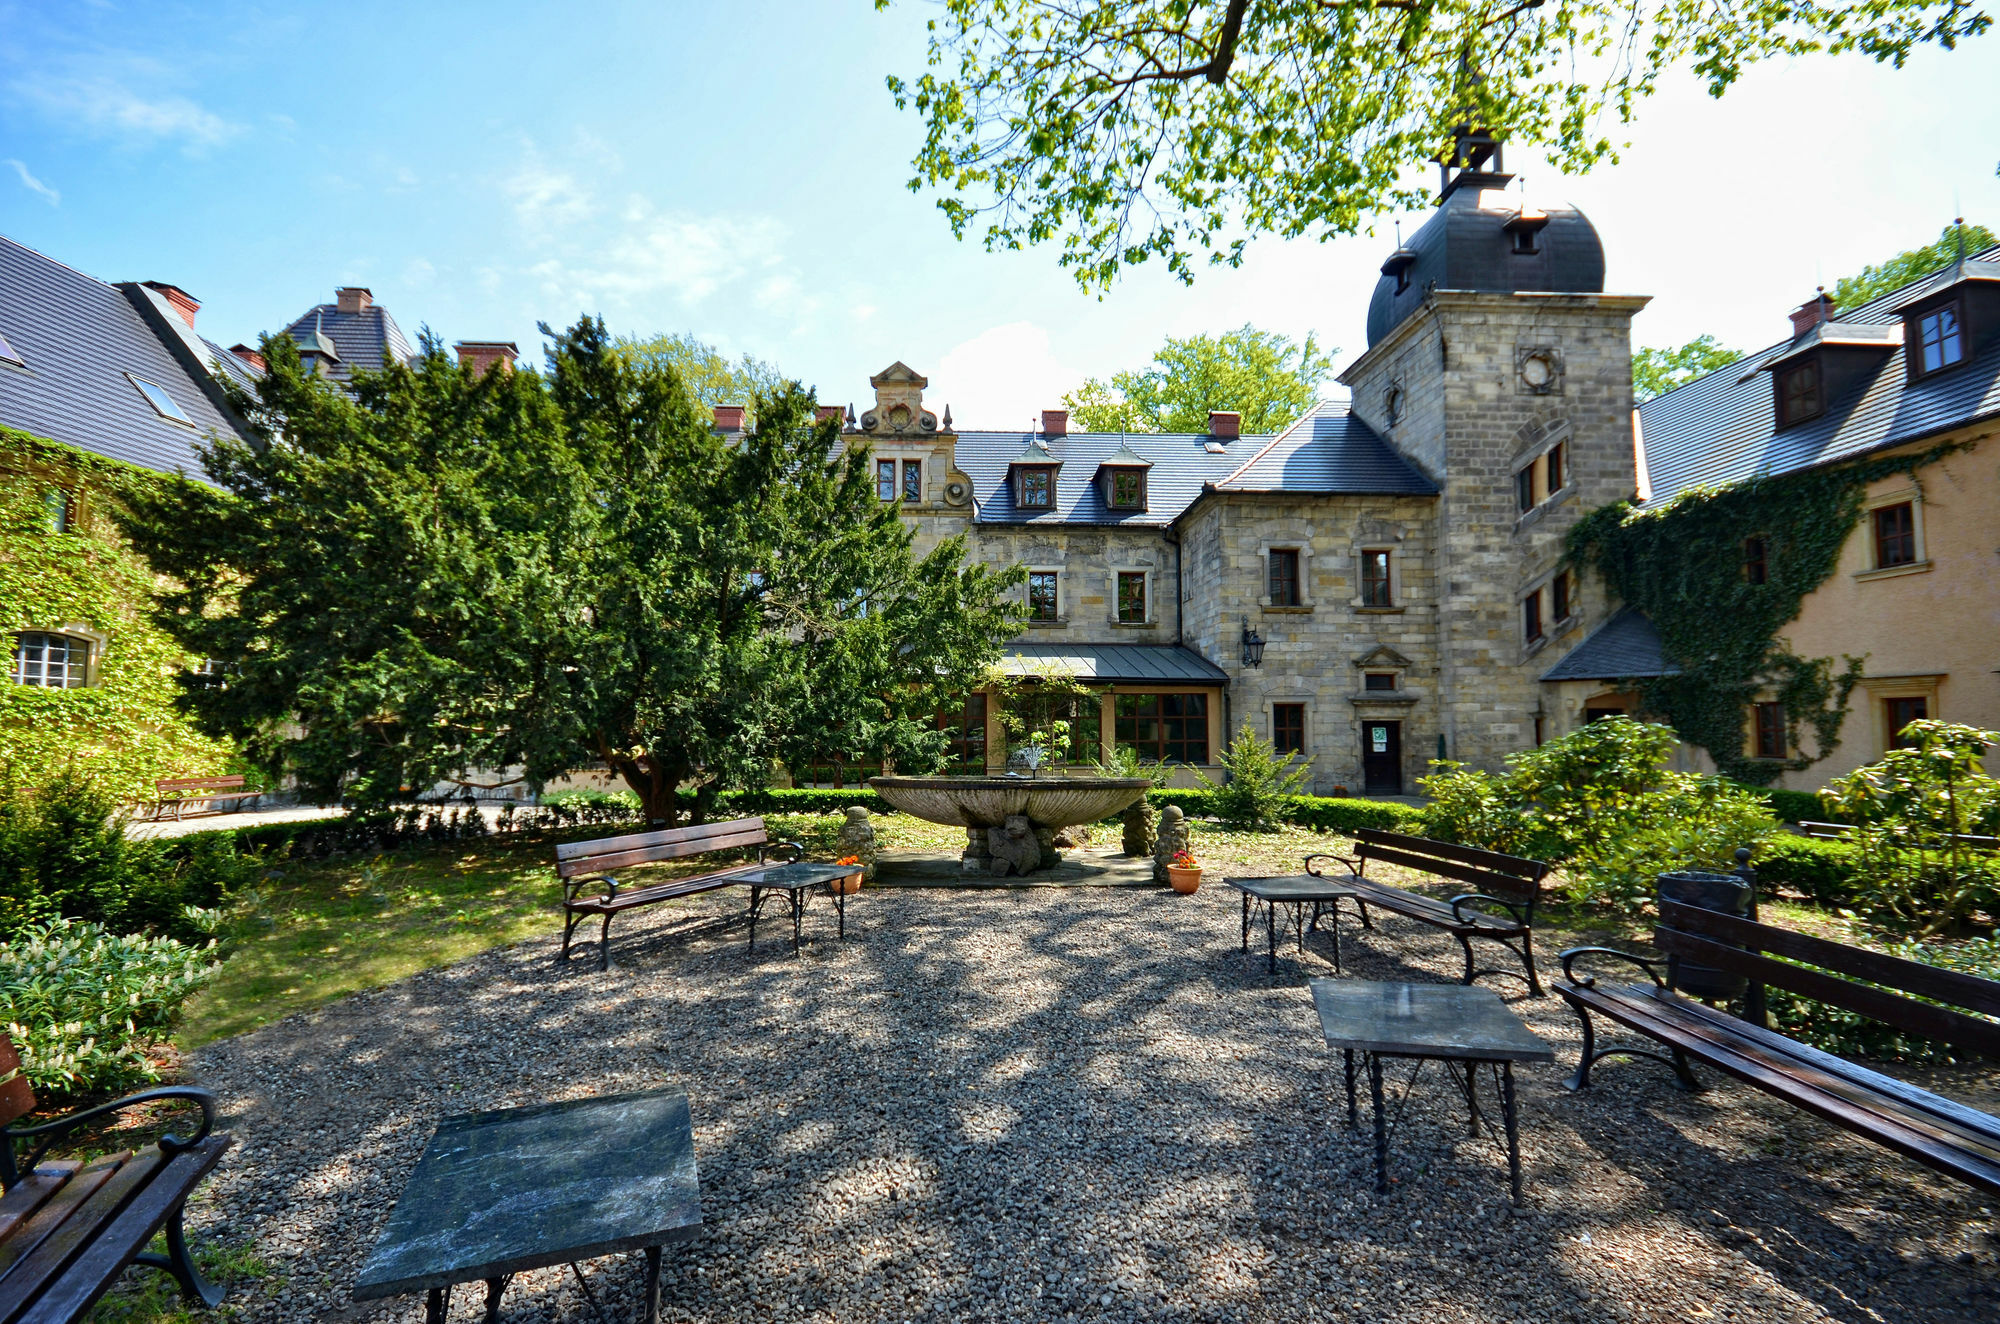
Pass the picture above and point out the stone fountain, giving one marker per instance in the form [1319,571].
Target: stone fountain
[1010,822]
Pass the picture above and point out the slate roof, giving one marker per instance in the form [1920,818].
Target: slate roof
[1332,451]
[361,340]
[1626,646]
[1719,429]
[79,337]
[1329,451]
[1123,663]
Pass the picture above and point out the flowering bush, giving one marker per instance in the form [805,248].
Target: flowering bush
[1184,859]
[82,1004]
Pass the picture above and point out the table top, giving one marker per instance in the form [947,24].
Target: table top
[1424,1020]
[799,874]
[1293,887]
[521,1188]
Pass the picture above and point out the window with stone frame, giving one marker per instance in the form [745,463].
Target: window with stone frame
[1132,597]
[53,661]
[1035,487]
[1552,466]
[1800,395]
[1164,728]
[913,480]
[1770,728]
[1375,579]
[1895,535]
[1559,603]
[1378,680]
[885,480]
[1283,574]
[1900,712]
[1524,490]
[1531,617]
[59,508]
[1288,728]
[1044,595]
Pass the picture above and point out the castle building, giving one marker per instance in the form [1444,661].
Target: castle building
[1376,586]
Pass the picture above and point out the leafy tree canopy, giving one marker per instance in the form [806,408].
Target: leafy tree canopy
[447,571]
[1657,371]
[1872,283]
[711,377]
[1131,130]
[1268,378]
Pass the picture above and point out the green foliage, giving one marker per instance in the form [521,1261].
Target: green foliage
[64,853]
[1126,762]
[448,570]
[1601,803]
[1258,783]
[710,377]
[1318,812]
[1134,130]
[82,1004]
[1657,371]
[124,728]
[1871,283]
[803,800]
[1825,871]
[1050,711]
[1796,806]
[1266,377]
[1837,1030]
[1912,811]
[1681,562]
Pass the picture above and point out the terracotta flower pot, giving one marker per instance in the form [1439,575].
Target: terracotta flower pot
[1182,880]
[849,884]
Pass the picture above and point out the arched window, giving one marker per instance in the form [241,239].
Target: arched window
[60,661]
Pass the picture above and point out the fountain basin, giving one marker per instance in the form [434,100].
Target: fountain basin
[988,802]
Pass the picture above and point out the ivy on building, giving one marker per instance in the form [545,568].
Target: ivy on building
[64,565]
[1685,564]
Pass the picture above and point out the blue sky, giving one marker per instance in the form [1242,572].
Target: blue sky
[738,171]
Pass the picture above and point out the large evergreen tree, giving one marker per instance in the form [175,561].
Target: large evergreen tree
[447,571]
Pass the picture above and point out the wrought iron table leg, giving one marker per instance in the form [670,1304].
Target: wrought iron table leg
[1381,1124]
[756,899]
[1347,1069]
[494,1287]
[437,1305]
[798,913]
[1513,1128]
[1246,921]
[652,1285]
[840,904]
[1336,935]
[1271,937]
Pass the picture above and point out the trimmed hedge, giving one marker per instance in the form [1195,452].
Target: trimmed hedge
[1821,869]
[1319,812]
[801,800]
[1793,806]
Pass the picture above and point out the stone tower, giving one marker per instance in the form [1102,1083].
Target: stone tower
[1497,364]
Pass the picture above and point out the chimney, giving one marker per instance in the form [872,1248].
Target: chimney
[1811,313]
[729,418]
[183,303]
[1055,422]
[482,356]
[1225,423]
[825,412]
[248,355]
[353,299]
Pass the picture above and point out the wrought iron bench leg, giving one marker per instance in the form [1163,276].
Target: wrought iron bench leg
[1676,1060]
[181,1265]
[604,942]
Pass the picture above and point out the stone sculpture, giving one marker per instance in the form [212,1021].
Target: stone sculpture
[1139,833]
[857,838]
[1172,840]
[1013,847]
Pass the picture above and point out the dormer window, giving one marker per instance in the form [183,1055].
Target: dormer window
[1125,489]
[1800,394]
[1939,342]
[1035,487]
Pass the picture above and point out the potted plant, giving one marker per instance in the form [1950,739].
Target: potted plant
[1184,872]
[850,883]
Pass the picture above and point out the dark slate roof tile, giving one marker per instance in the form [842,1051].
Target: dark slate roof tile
[1329,451]
[1131,664]
[1626,646]
[1181,464]
[366,340]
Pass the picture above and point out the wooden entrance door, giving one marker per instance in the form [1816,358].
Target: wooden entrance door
[1382,757]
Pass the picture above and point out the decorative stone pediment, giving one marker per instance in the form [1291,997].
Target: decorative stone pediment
[899,404]
[1383,658]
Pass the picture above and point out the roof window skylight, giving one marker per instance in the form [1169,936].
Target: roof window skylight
[7,354]
[162,403]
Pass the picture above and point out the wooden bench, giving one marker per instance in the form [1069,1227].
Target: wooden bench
[1956,1140]
[1460,916]
[182,796]
[68,1229]
[1844,831]
[582,863]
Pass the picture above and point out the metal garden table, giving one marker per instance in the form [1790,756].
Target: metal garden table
[1463,1027]
[499,1193]
[797,881]
[1297,891]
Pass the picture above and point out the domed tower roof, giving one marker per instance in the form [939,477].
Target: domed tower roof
[1483,237]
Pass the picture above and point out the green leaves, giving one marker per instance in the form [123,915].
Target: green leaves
[1267,377]
[1260,782]
[1657,371]
[1132,130]
[1871,283]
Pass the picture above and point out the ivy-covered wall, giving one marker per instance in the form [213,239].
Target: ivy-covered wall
[123,727]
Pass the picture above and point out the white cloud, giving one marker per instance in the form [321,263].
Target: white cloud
[1000,379]
[677,254]
[107,105]
[546,198]
[417,271]
[32,184]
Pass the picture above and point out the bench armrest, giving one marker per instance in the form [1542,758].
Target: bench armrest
[1590,981]
[574,886]
[1353,865]
[50,1132]
[797,848]
[1510,907]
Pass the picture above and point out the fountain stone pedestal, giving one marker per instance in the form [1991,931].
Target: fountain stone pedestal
[1010,821]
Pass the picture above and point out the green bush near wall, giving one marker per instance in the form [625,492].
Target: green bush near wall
[801,800]
[1825,871]
[1319,812]
[1794,806]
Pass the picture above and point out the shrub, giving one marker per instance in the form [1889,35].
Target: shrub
[801,800]
[1837,1030]
[1824,871]
[1334,814]
[82,1004]
[1795,806]
[1260,780]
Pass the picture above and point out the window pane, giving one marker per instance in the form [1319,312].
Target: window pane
[1555,465]
[1531,617]
[1288,728]
[1941,341]
[1770,730]
[56,661]
[1167,728]
[913,480]
[1127,490]
[1379,680]
[1037,489]
[1284,578]
[965,731]
[1902,712]
[1559,596]
[1895,536]
[1755,568]
[1132,597]
[1043,602]
[1375,579]
[885,479]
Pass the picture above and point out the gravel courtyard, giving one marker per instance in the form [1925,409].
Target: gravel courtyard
[1085,1103]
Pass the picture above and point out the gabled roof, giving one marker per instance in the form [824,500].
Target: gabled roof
[1329,451]
[79,338]
[1626,647]
[1720,429]
[359,340]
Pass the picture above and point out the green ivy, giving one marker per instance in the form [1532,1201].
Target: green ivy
[1682,563]
[124,729]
